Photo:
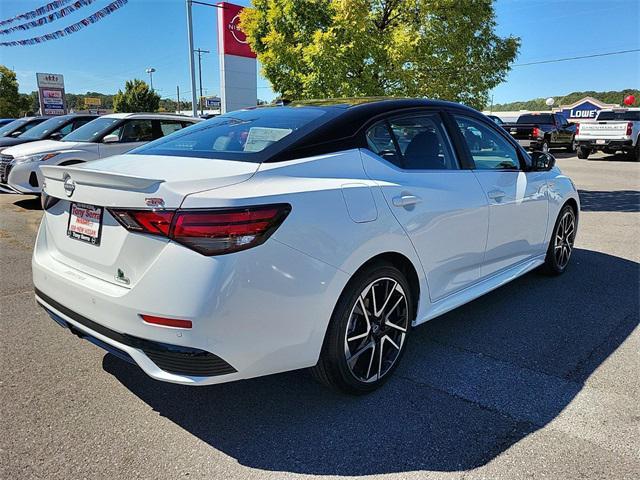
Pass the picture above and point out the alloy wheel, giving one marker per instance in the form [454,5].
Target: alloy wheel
[565,236]
[376,330]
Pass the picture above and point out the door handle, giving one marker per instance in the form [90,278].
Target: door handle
[406,200]
[496,194]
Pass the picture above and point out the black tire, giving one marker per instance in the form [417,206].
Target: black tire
[561,242]
[333,368]
[583,152]
[634,154]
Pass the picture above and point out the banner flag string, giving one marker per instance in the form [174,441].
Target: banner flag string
[96,17]
[49,18]
[38,12]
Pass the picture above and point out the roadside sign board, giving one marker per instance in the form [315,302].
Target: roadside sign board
[212,102]
[92,102]
[51,93]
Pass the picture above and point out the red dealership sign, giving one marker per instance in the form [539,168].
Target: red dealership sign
[232,41]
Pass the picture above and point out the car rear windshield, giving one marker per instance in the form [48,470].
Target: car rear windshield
[245,135]
[543,118]
[92,131]
[629,115]
[45,128]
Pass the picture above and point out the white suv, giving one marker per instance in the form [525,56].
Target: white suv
[105,136]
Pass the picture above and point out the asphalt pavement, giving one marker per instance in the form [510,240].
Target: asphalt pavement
[538,379]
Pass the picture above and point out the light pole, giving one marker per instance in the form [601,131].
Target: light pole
[194,107]
[200,52]
[150,71]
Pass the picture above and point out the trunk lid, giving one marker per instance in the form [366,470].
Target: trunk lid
[126,181]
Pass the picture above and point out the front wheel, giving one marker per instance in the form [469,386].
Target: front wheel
[561,243]
[368,331]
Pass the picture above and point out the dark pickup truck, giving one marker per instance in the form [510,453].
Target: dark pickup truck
[543,131]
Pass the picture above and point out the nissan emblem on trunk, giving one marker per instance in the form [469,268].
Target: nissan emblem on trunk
[69,184]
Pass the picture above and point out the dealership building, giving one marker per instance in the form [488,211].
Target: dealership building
[585,109]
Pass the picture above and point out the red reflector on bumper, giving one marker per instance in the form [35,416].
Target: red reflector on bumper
[166,322]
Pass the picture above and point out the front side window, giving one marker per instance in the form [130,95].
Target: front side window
[134,131]
[413,142]
[490,151]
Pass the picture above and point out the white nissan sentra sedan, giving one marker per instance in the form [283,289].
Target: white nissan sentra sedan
[314,235]
[105,136]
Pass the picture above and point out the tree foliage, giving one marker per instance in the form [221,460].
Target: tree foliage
[614,96]
[137,97]
[12,104]
[445,49]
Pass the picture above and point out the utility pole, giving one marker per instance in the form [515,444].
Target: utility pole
[178,92]
[199,51]
[194,108]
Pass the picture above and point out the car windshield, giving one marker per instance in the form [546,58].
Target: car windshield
[11,126]
[244,135]
[532,118]
[45,128]
[629,115]
[92,131]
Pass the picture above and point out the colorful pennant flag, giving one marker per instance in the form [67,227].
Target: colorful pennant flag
[49,18]
[96,17]
[38,12]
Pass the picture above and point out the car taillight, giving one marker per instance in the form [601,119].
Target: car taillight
[536,132]
[577,129]
[209,232]
[146,221]
[629,128]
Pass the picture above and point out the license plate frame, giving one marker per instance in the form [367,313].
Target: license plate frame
[601,142]
[79,235]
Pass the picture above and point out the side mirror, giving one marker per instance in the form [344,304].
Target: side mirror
[16,133]
[56,136]
[111,139]
[542,162]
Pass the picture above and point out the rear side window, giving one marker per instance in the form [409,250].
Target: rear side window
[241,135]
[490,151]
[167,127]
[533,118]
[413,142]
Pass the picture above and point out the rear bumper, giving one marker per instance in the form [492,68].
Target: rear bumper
[609,144]
[256,312]
[175,359]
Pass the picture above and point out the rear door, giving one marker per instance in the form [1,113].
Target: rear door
[518,202]
[441,206]
[131,134]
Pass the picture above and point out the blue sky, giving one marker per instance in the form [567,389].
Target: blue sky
[153,33]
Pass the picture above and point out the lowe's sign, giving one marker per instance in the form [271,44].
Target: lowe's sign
[585,109]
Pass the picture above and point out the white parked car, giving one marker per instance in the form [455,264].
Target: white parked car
[280,238]
[103,137]
[612,131]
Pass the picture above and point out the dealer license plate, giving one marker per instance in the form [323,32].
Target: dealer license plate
[85,223]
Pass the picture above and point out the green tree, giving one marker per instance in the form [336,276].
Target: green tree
[12,104]
[445,49]
[137,97]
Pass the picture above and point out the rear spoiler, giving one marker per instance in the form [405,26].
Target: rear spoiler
[99,178]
